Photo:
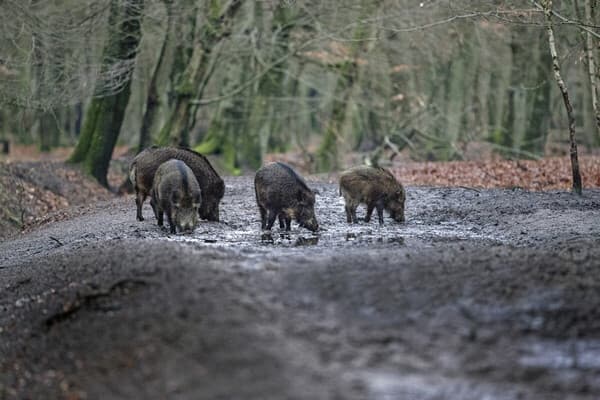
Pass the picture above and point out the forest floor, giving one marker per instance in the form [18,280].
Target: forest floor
[482,293]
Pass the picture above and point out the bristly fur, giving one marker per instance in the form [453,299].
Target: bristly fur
[294,174]
[199,155]
[144,167]
[184,177]
[282,193]
[376,187]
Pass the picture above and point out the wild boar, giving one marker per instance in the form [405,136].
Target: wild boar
[176,192]
[282,193]
[145,164]
[375,187]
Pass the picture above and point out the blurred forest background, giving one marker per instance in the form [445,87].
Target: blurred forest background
[432,80]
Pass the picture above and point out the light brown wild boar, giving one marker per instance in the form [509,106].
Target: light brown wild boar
[176,192]
[282,193]
[144,166]
[375,187]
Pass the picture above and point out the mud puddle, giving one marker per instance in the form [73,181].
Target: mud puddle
[345,236]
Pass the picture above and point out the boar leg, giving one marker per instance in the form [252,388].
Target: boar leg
[214,215]
[153,205]
[271,219]
[159,216]
[380,213]
[348,214]
[203,211]
[285,222]
[171,223]
[263,217]
[351,214]
[370,208]
[281,221]
[139,200]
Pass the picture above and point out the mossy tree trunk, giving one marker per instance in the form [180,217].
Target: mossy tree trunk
[104,115]
[153,102]
[328,154]
[193,80]
[540,97]
[456,101]
[264,109]
[49,130]
[592,68]
[45,76]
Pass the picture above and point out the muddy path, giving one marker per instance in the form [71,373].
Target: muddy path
[482,294]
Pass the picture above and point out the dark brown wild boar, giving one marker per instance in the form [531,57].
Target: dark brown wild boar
[176,192]
[282,193]
[375,187]
[144,166]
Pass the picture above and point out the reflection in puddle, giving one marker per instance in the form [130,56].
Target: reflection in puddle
[267,238]
[336,236]
[397,239]
[307,241]
[286,239]
[581,354]
[387,385]
[369,238]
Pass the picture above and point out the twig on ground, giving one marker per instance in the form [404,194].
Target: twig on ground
[56,240]
[86,300]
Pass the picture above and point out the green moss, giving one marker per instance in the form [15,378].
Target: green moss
[229,157]
[163,135]
[210,145]
[327,153]
[185,87]
[87,132]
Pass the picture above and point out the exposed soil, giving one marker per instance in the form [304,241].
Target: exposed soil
[490,293]
[33,193]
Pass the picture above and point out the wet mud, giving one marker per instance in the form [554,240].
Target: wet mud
[481,294]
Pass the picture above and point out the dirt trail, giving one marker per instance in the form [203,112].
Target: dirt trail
[481,294]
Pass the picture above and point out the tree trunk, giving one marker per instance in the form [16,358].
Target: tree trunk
[195,76]
[335,140]
[565,95]
[49,130]
[328,153]
[589,49]
[46,73]
[104,115]
[538,120]
[265,126]
[153,100]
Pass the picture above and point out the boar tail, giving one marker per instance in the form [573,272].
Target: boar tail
[132,173]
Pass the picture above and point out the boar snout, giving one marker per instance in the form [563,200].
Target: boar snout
[311,224]
[187,219]
[397,213]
